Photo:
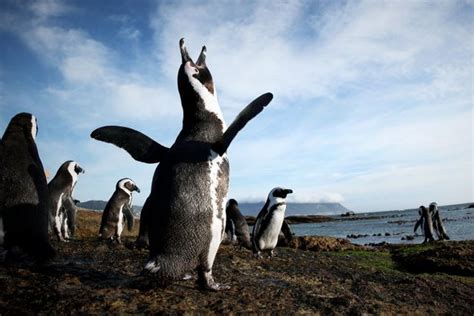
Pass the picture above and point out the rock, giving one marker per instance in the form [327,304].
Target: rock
[452,257]
[382,244]
[347,214]
[317,243]
[354,236]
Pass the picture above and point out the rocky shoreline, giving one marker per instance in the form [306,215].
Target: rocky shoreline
[312,275]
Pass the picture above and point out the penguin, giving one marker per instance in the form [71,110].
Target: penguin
[63,209]
[427,224]
[237,225]
[269,222]
[419,222]
[437,222]
[118,209]
[186,207]
[24,198]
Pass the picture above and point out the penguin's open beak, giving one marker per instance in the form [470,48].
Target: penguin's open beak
[79,170]
[202,57]
[184,52]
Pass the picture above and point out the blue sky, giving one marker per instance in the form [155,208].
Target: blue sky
[373,100]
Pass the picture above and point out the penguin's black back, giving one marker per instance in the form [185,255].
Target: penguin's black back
[62,181]
[24,196]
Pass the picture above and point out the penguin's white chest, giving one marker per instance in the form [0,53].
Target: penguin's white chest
[269,237]
[73,174]
[218,213]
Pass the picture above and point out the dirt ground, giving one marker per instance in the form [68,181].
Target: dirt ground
[92,276]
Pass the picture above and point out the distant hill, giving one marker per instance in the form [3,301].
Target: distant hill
[99,205]
[298,208]
[292,209]
[253,208]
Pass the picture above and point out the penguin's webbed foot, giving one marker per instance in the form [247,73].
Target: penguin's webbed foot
[206,282]
[257,255]
[211,285]
[215,287]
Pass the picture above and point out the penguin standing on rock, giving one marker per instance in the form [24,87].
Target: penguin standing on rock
[63,209]
[269,222]
[118,209]
[24,198]
[186,208]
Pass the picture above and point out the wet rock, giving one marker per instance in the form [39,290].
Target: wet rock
[378,244]
[348,214]
[355,236]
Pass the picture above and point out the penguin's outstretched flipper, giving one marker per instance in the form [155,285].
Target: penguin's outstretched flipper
[419,223]
[141,147]
[250,111]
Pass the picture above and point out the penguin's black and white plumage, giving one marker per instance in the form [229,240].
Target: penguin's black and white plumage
[63,207]
[237,226]
[186,207]
[24,198]
[419,222]
[269,222]
[118,210]
[427,224]
[437,222]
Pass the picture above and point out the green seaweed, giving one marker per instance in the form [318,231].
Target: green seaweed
[375,260]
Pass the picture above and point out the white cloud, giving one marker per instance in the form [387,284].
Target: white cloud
[129,32]
[44,9]
[371,106]
[363,41]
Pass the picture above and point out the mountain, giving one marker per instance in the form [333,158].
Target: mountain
[292,209]
[99,205]
[298,208]
[253,208]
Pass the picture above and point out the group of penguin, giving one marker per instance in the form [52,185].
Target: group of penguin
[183,219]
[430,222]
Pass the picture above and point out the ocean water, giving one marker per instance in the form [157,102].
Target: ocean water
[459,225]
